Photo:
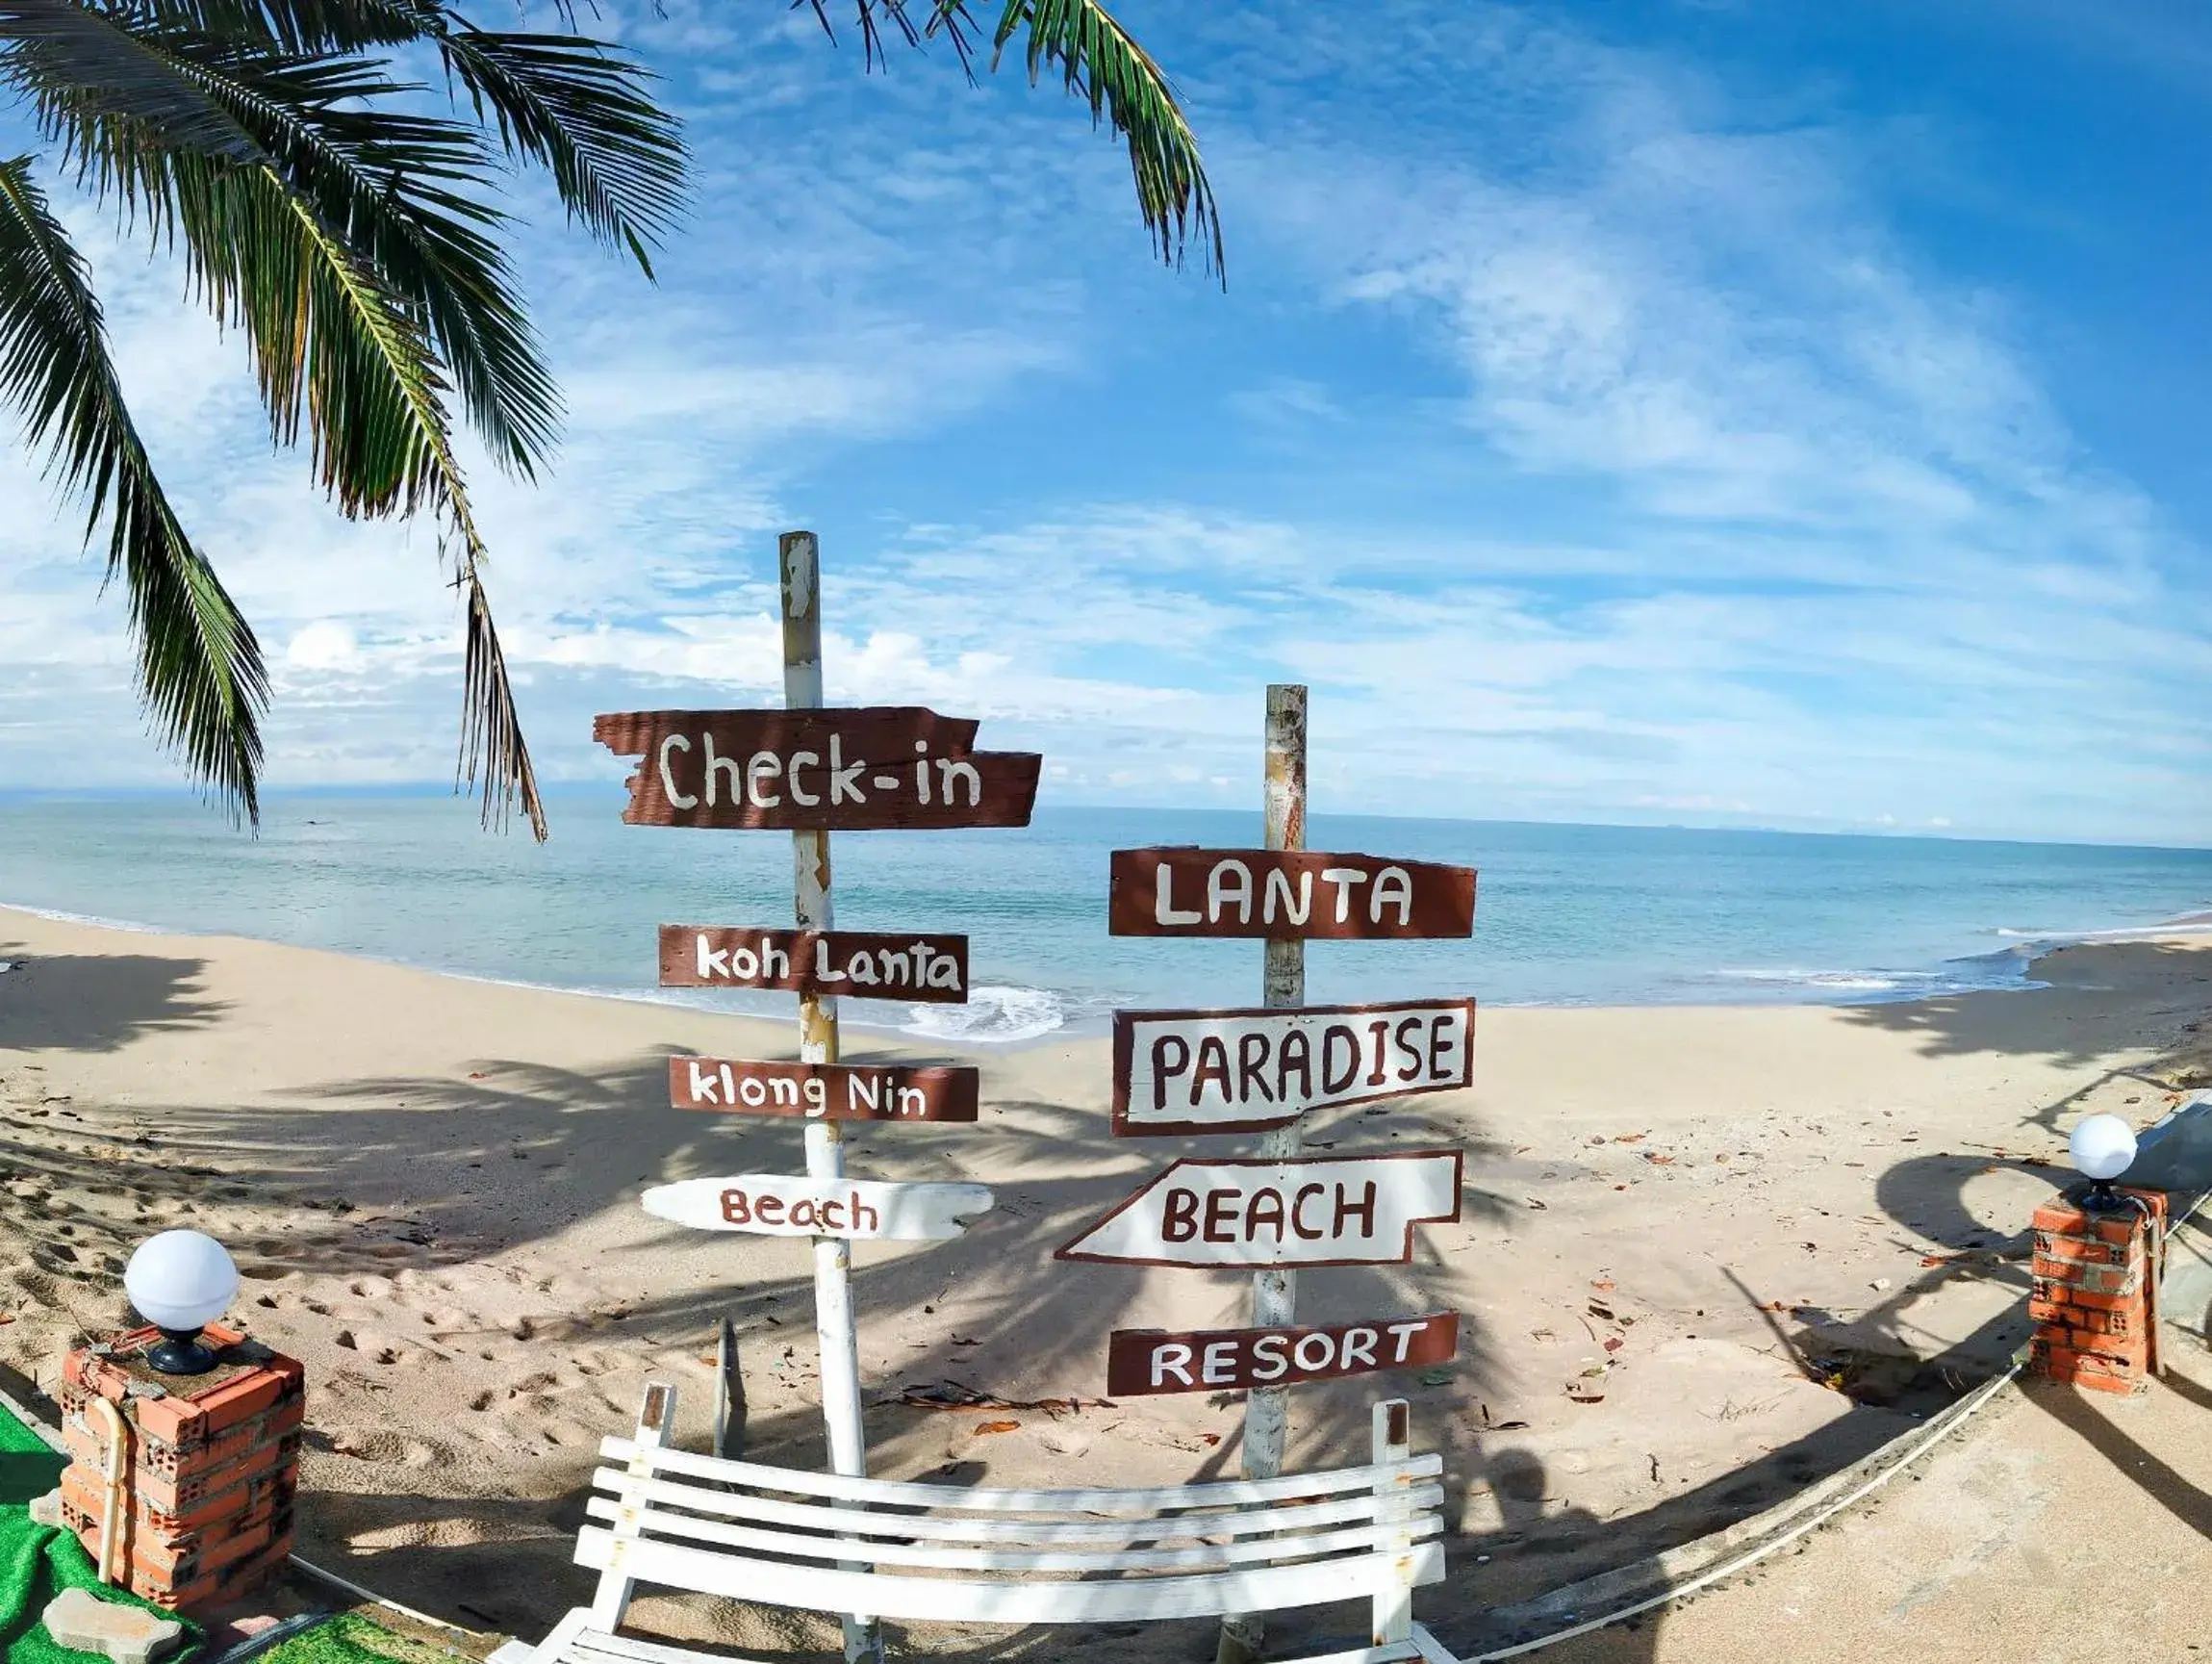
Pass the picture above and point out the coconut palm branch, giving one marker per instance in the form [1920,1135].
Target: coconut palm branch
[353,235]
[353,240]
[1097,60]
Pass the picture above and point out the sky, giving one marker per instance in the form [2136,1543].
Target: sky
[1670,411]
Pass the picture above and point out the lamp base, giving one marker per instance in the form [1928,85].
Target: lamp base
[182,1352]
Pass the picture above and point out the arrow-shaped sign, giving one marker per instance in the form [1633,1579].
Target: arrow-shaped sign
[1312,1211]
[772,1205]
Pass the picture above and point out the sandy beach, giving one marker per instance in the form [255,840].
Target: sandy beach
[1705,1254]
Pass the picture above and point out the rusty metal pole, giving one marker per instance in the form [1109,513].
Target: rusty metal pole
[798,560]
[1274,1293]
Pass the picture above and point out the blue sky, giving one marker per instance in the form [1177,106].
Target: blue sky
[1675,411]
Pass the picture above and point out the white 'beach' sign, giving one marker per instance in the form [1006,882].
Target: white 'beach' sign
[776,1205]
[1306,1211]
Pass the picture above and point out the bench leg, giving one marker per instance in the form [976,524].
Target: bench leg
[1431,1650]
[1393,1617]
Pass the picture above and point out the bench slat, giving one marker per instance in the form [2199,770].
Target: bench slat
[1205,1556]
[824,1589]
[894,1493]
[851,1522]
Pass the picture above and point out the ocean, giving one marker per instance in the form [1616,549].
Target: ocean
[1564,914]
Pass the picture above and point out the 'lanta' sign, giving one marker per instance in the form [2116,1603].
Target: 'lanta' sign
[823,1091]
[1264,1214]
[1286,894]
[825,769]
[922,969]
[1248,1070]
[772,1205]
[1140,1362]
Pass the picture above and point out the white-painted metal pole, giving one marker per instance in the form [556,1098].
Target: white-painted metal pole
[798,559]
[1274,1293]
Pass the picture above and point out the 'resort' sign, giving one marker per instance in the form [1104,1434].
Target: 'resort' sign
[1141,1362]
[823,1091]
[1286,894]
[826,769]
[924,969]
[1254,1067]
[1277,1214]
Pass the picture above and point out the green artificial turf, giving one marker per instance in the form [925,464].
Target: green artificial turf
[37,1562]
[351,1639]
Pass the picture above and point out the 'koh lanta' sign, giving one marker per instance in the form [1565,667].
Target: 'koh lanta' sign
[823,769]
[1286,894]
[1264,1214]
[772,1205]
[1247,1069]
[1140,1362]
[921,970]
[823,1091]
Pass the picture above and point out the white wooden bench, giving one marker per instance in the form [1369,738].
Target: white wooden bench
[949,1554]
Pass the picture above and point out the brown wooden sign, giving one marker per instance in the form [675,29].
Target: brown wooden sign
[869,769]
[1142,1362]
[823,1092]
[920,969]
[1286,894]
[1259,1066]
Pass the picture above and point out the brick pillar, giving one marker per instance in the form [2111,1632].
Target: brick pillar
[2095,1298]
[211,1469]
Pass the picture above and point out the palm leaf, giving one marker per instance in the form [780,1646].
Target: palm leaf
[201,670]
[362,275]
[1100,62]
[577,107]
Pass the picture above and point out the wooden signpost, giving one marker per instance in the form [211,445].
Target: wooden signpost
[1143,1362]
[1287,894]
[1261,1070]
[1306,1211]
[770,1204]
[800,768]
[920,969]
[813,770]
[1256,1068]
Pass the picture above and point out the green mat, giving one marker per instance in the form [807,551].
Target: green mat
[37,1562]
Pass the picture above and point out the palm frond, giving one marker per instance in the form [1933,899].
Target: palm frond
[1098,62]
[200,671]
[1101,62]
[370,290]
[379,417]
[392,184]
[578,107]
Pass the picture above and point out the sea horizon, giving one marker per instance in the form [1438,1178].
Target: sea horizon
[1568,914]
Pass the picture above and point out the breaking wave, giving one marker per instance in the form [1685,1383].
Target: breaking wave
[992,1016]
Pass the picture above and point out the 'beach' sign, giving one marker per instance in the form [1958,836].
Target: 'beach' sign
[774,1205]
[868,769]
[1141,1362]
[1264,1214]
[1254,1068]
[823,1091]
[919,969]
[1286,894]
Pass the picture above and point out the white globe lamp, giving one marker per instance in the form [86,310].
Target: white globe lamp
[181,1281]
[2101,1148]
